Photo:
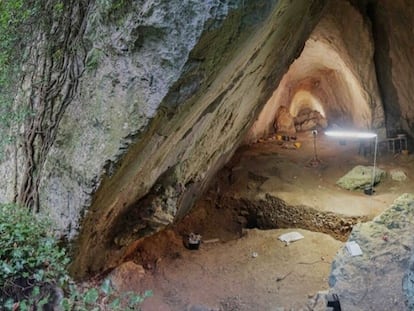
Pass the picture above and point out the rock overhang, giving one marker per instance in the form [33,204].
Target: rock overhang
[198,126]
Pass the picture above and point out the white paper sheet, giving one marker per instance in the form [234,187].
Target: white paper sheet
[353,248]
[290,237]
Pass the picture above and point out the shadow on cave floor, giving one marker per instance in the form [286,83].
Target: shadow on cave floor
[267,185]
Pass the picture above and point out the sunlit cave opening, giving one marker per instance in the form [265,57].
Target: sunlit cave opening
[269,189]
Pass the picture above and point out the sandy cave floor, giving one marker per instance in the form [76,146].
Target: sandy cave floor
[224,274]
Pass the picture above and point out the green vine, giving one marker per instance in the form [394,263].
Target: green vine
[15,20]
[47,71]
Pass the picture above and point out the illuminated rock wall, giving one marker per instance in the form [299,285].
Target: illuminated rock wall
[334,75]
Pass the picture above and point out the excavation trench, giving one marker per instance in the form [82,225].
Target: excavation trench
[224,217]
[274,213]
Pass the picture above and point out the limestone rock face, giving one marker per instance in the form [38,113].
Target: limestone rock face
[394,62]
[169,89]
[374,281]
[359,177]
[134,59]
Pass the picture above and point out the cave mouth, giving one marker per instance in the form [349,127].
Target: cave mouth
[174,160]
[322,88]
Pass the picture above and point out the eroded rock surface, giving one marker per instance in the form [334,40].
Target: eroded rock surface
[373,281]
[166,91]
[393,58]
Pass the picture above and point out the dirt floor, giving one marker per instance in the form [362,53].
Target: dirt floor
[250,269]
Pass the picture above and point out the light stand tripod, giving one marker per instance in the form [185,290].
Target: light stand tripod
[315,162]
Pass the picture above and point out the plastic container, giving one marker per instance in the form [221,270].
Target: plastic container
[368,190]
[194,246]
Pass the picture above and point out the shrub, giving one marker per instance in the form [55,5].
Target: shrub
[33,273]
[30,260]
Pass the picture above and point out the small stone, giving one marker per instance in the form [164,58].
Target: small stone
[242,220]
[398,175]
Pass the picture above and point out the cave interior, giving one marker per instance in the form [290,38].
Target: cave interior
[284,173]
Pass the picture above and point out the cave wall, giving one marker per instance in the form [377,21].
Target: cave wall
[392,23]
[335,74]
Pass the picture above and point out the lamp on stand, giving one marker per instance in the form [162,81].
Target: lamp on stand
[360,135]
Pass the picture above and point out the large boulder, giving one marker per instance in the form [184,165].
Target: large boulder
[373,281]
[360,177]
[308,119]
[284,121]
